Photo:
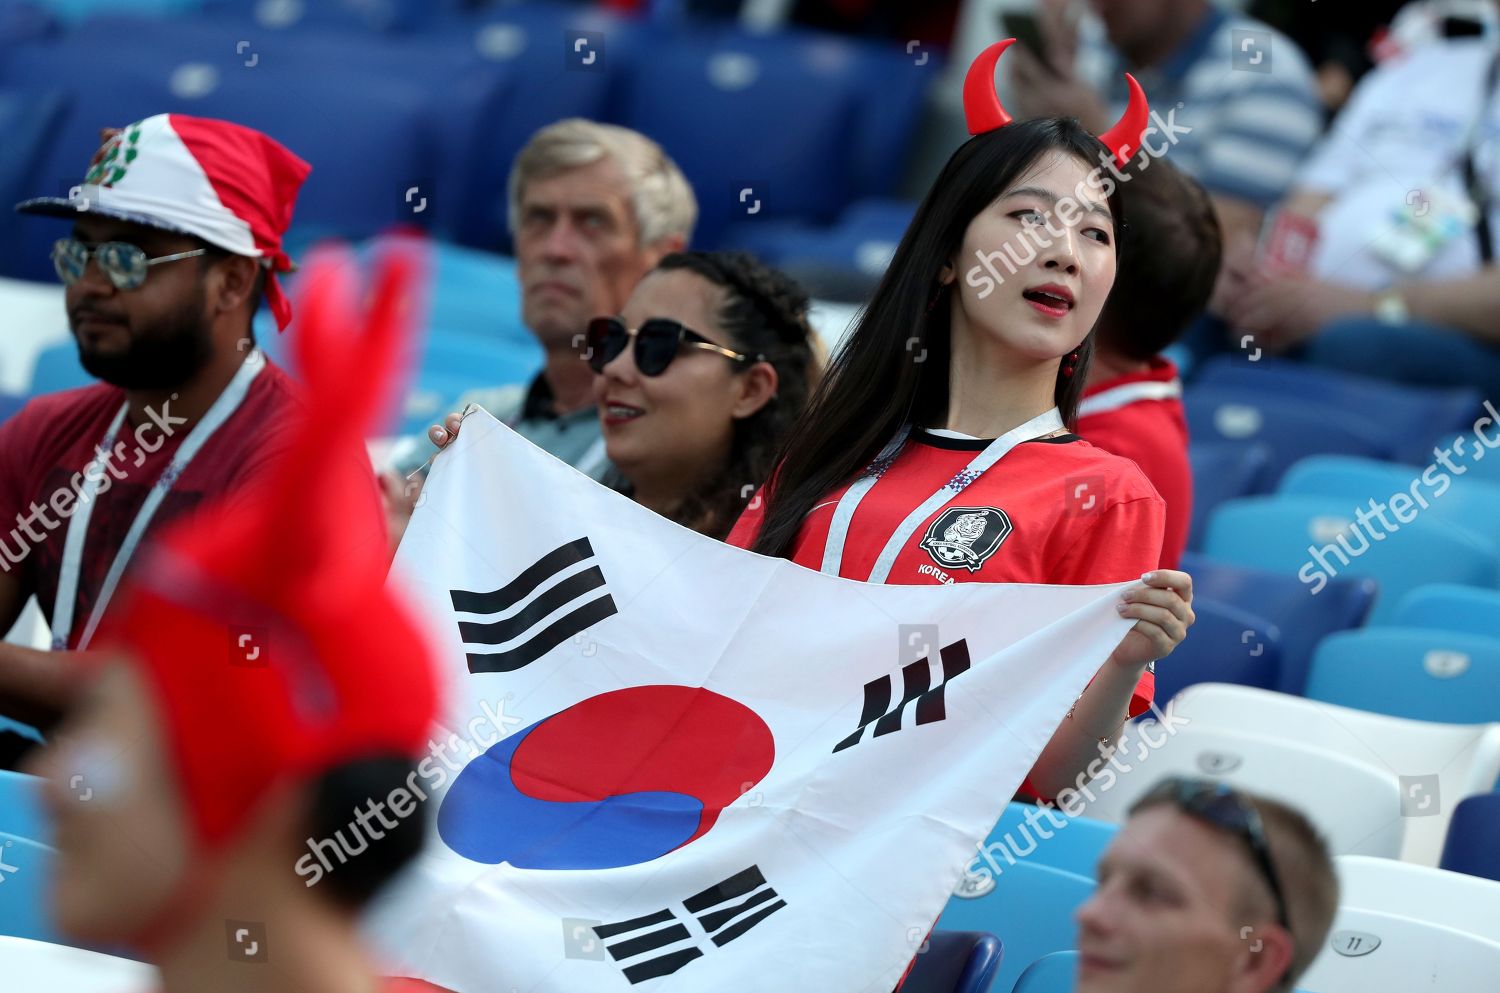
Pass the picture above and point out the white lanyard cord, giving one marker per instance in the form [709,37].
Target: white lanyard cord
[843,514]
[67,580]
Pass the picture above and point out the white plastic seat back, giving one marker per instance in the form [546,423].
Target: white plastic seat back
[1368,952]
[1356,806]
[1435,765]
[39,967]
[1437,896]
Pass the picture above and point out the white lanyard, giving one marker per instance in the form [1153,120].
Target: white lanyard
[838,528]
[67,580]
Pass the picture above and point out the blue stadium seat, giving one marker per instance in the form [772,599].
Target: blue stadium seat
[546,81]
[1482,461]
[1030,909]
[358,15]
[1226,644]
[1055,973]
[468,102]
[955,962]
[23,21]
[383,143]
[1405,415]
[73,11]
[1418,673]
[891,92]
[1467,503]
[1222,471]
[478,362]
[1461,609]
[1283,601]
[477,293]
[1047,837]
[862,241]
[27,868]
[1471,846]
[882,217]
[28,119]
[1181,356]
[9,405]
[20,808]
[56,369]
[1289,427]
[1305,536]
[896,82]
[716,103]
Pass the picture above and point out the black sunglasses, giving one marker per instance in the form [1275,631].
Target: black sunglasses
[1225,808]
[657,341]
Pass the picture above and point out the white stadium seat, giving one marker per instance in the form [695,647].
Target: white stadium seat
[1369,952]
[1449,899]
[38,967]
[1462,759]
[1356,806]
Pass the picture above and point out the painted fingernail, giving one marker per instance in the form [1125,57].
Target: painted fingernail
[1147,575]
[1120,607]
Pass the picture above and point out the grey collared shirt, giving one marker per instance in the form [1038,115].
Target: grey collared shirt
[575,437]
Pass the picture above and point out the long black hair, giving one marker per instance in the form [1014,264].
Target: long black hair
[765,313]
[875,384]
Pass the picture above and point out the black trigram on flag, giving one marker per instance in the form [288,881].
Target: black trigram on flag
[916,687]
[659,944]
[521,632]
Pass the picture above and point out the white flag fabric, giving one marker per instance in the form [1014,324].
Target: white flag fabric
[720,770]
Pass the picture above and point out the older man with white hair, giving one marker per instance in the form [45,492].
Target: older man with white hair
[593,208]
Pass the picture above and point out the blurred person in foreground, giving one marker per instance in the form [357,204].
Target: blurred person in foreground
[258,690]
[176,237]
[593,207]
[1206,890]
[698,379]
[1132,404]
[1396,220]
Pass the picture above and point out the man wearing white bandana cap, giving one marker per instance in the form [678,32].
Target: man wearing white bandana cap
[176,237]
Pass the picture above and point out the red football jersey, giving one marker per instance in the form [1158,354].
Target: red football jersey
[1056,511]
[1140,417]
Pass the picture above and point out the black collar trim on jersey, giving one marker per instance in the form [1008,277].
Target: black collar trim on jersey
[978,444]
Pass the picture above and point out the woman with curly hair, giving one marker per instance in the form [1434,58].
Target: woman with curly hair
[697,381]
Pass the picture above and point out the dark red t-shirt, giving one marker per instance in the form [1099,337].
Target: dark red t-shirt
[1139,416]
[1057,511]
[45,446]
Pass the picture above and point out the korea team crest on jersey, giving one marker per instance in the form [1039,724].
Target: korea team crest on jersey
[965,537]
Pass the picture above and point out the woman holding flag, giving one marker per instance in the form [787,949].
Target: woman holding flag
[895,473]
[937,447]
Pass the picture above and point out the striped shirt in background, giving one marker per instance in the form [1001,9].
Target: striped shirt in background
[1245,89]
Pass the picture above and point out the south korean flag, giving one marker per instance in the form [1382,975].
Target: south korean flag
[725,771]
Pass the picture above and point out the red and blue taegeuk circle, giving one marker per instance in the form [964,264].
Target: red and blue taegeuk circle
[618,779]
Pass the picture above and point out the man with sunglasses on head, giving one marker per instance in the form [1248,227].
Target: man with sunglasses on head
[176,238]
[1206,890]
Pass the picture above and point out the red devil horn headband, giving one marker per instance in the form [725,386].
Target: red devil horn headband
[984,112]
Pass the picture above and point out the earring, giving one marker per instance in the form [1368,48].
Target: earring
[1070,364]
